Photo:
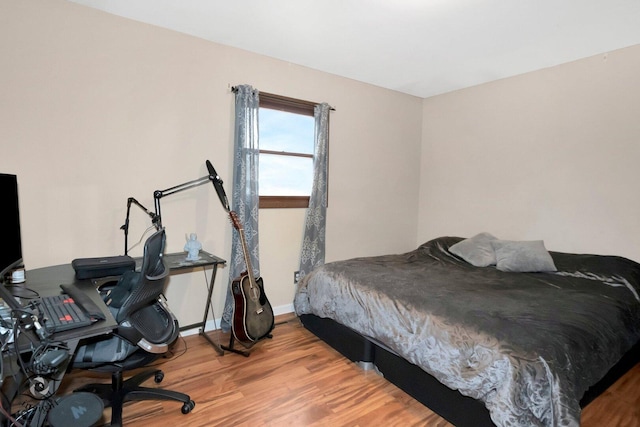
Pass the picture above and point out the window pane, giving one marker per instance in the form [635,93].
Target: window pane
[285,175]
[283,131]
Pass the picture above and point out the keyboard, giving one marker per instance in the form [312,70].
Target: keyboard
[61,313]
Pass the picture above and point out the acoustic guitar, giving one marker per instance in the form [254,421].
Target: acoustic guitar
[252,313]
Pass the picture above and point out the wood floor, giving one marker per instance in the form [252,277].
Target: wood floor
[295,379]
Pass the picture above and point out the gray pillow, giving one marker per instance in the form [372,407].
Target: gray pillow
[476,250]
[526,256]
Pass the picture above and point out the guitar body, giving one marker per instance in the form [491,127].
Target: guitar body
[252,313]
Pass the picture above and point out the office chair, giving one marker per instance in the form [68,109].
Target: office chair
[146,329]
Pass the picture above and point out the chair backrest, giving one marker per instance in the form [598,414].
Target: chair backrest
[152,257]
[147,284]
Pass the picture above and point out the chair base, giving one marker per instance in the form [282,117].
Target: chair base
[119,392]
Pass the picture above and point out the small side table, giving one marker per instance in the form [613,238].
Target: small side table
[177,261]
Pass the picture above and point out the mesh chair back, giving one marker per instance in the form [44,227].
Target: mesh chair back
[149,283]
[152,258]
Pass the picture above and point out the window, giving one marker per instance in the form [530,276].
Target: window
[286,131]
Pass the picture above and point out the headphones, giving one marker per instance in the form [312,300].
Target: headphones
[48,358]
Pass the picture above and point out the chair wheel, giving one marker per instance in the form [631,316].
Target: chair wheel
[158,377]
[188,406]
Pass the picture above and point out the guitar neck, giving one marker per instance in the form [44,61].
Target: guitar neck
[247,256]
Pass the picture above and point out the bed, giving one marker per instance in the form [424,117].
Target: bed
[477,344]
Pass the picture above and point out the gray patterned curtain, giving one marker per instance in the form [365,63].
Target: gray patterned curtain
[313,243]
[244,199]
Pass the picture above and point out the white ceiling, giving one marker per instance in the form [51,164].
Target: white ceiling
[419,47]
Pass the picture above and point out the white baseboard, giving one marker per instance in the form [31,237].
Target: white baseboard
[213,325]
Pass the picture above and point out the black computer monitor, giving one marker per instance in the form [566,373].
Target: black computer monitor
[10,237]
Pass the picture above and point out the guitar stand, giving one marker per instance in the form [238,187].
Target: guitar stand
[230,347]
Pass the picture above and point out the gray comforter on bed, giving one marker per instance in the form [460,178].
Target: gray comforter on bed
[526,344]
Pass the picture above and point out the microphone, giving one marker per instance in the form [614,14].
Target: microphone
[217,184]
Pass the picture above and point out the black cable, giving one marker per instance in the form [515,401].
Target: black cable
[172,354]
[4,323]
[20,324]
[16,349]
[16,335]
[14,422]
[176,354]
[36,363]
[30,410]
[34,294]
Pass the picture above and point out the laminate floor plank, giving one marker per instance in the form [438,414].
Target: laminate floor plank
[294,379]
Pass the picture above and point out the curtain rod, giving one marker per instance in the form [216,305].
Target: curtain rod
[234,89]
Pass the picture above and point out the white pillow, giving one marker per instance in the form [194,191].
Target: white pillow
[476,250]
[522,257]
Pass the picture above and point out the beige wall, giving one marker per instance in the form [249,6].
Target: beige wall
[548,155]
[95,109]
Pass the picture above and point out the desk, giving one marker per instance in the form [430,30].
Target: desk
[176,262]
[46,281]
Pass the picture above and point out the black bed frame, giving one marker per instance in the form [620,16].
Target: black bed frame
[459,410]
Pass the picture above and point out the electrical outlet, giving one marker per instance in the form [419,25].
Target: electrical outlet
[296,276]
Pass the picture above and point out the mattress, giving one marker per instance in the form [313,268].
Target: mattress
[527,345]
